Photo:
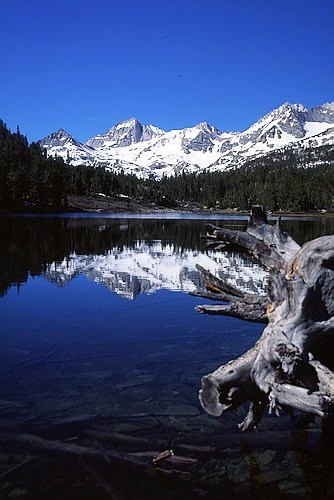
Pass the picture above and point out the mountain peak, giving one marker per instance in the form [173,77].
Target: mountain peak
[130,122]
[206,127]
[285,109]
[125,133]
[61,133]
[291,106]
[202,125]
[329,105]
[289,118]
[57,138]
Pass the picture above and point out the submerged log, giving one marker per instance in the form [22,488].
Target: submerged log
[290,366]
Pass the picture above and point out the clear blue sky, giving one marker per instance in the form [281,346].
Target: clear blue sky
[86,65]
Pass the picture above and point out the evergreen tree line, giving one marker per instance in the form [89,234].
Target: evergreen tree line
[27,175]
[288,179]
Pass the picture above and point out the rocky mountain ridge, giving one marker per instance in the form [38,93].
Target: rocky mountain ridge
[149,151]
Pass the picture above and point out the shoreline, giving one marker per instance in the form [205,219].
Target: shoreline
[105,205]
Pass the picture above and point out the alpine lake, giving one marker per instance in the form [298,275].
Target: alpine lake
[102,348]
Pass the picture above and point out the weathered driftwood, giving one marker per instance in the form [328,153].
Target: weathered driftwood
[240,304]
[290,366]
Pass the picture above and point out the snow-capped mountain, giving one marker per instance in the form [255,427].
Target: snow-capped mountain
[62,144]
[146,150]
[124,134]
[147,268]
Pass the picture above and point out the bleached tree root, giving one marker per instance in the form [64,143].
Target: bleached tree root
[290,366]
[239,304]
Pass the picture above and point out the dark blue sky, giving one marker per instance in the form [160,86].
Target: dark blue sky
[86,65]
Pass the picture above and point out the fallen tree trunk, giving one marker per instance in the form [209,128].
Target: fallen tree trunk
[290,366]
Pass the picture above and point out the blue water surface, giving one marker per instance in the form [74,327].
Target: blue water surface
[82,335]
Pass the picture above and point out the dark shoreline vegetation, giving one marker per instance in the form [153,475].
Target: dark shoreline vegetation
[286,180]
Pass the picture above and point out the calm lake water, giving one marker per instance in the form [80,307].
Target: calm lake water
[96,320]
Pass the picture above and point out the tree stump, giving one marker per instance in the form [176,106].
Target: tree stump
[290,366]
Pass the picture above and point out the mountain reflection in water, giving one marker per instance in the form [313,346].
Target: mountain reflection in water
[129,255]
[146,268]
[133,368]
